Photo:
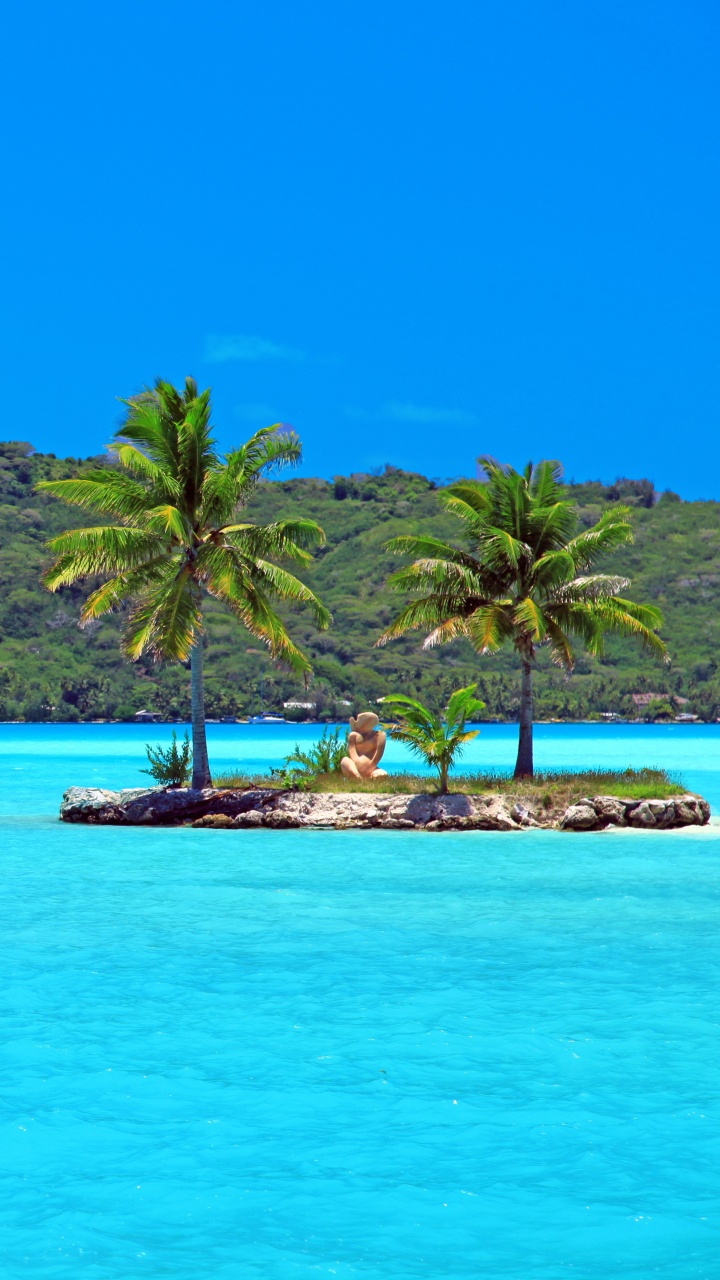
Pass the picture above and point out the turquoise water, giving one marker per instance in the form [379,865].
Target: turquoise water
[354,1054]
[40,761]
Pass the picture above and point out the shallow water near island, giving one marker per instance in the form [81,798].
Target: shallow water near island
[292,1054]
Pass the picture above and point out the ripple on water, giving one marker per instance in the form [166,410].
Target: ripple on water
[288,1054]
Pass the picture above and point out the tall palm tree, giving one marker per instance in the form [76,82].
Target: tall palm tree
[527,578]
[177,503]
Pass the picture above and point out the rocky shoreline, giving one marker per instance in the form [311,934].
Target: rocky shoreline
[282,810]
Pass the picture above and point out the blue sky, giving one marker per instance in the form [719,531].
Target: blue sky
[417,231]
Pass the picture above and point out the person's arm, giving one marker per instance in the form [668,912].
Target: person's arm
[352,752]
[379,747]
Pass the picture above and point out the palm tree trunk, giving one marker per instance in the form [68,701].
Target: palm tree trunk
[201,765]
[524,764]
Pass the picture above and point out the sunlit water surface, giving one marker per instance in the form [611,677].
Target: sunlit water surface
[356,1054]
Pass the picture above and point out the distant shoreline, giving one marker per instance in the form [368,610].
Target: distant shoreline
[319,724]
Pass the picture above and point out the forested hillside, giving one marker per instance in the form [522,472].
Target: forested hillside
[52,669]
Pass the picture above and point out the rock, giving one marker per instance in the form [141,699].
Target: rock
[610,809]
[249,820]
[492,814]
[161,806]
[268,807]
[93,804]
[641,815]
[691,811]
[579,817]
[446,807]
[280,821]
[523,816]
[220,821]
[418,809]
[660,813]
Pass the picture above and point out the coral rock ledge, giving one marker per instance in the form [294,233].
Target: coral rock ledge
[266,807]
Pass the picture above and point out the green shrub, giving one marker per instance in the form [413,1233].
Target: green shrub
[324,756]
[170,767]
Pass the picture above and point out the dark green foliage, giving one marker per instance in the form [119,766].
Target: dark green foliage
[52,669]
[437,739]
[323,756]
[170,766]
[293,779]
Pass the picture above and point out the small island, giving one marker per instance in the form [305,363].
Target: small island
[400,803]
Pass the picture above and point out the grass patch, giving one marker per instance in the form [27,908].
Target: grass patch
[246,782]
[546,791]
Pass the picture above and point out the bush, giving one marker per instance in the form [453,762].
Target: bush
[170,767]
[324,756]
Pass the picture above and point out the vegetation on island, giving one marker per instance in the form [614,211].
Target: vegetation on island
[170,766]
[547,794]
[179,536]
[52,668]
[323,756]
[437,738]
[523,575]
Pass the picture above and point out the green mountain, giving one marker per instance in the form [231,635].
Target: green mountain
[51,669]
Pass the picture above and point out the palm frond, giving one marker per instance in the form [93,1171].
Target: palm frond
[561,650]
[126,586]
[529,617]
[140,464]
[427,547]
[471,493]
[463,706]
[578,618]
[490,626]
[501,550]
[640,621]
[595,586]
[151,429]
[550,528]
[269,450]
[446,575]
[545,482]
[229,575]
[418,613]
[105,491]
[167,519]
[457,505]
[196,449]
[278,582]
[453,628]
[255,612]
[166,619]
[285,539]
[82,553]
[416,714]
[612,530]
[552,570]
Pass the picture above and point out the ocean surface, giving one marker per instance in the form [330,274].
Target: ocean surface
[39,760]
[376,1055]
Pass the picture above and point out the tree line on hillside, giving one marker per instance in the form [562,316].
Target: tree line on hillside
[176,531]
[52,669]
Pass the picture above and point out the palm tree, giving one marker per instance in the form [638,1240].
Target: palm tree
[176,502]
[436,738]
[528,578]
